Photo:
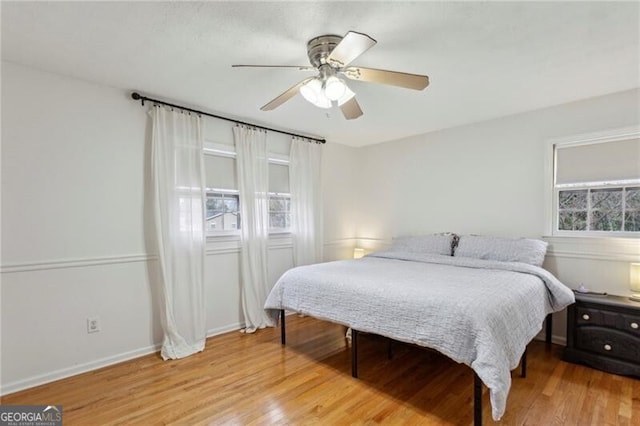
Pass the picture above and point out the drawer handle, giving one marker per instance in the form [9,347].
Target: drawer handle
[607,347]
[634,325]
[586,317]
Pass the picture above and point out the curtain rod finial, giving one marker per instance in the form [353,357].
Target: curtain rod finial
[135,95]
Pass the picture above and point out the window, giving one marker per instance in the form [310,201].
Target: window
[279,197]
[223,199]
[596,186]
[613,209]
[222,211]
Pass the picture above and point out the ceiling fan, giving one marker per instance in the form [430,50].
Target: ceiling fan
[331,55]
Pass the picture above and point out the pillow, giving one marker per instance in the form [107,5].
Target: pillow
[505,249]
[428,244]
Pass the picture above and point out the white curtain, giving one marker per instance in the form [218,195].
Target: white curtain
[179,196]
[305,160]
[253,185]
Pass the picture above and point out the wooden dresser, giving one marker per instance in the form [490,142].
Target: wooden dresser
[604,332]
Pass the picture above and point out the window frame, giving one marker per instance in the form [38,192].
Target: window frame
[552,189]
[228,151]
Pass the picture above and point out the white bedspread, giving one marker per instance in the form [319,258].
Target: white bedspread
[477,312]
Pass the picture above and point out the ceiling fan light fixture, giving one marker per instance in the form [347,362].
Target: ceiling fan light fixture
[331,55]
[312,92]
[334,88]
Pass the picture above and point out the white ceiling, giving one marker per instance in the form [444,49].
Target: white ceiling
[484,59]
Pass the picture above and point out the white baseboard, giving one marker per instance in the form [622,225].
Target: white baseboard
[224,329]
[86,367]
[558,340]
[62,373]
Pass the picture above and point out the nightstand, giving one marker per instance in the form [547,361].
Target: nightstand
[604,333]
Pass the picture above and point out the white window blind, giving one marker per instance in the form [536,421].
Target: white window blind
[220,172]
[598,162]
[279,178]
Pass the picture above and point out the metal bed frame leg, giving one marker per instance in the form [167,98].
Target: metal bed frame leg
[477,400]
[283,334]
[548,328]
[354,353]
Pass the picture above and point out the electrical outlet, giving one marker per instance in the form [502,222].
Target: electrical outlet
[93,324]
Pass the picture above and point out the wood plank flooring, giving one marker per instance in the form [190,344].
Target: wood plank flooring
[252,380]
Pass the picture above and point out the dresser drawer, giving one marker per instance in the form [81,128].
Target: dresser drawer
[631,324]
[606,341]
[589,316]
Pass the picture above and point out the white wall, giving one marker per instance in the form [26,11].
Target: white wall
[74,243]
[489,178]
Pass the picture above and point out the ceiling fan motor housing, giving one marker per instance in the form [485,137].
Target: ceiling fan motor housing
[319,48]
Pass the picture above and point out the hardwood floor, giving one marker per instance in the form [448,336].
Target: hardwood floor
[252,380]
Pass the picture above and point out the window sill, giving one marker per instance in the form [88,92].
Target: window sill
[596,247]
[235,235]
[231,243]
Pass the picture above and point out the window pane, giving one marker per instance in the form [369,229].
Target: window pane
[222,212]
[215,205]
[633,198]
[279,212]
[632,221]
[606,199]
[572,221]
[231,204]
[278,220]
[277,204]
[573,200]
[603,220]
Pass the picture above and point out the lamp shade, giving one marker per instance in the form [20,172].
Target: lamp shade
[312,92]
[334,88]
[634,277]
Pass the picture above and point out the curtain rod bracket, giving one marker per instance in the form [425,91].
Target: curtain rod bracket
[136,96]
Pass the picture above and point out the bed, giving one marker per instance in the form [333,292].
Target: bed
[477,300]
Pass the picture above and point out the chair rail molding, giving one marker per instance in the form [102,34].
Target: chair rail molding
[75,263]
[610,249]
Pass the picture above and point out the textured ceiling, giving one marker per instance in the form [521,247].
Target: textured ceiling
[484,59]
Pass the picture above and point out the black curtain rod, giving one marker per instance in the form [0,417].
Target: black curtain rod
[138,97]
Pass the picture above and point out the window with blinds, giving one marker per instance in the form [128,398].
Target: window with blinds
[223,200]
[223,205]
[597,187]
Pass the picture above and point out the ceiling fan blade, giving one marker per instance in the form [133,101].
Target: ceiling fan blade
[351,46]
[285,96]
[299,67]
[351,109]
[394,78]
